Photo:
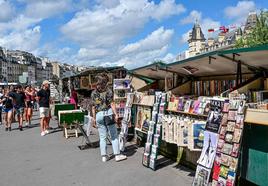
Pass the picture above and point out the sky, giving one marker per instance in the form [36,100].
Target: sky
[132,33]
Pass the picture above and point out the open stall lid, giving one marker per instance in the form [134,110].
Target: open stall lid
[223,62]
[156,71]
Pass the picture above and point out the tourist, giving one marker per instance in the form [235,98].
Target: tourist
[44,101]
[29,93]
[7,108]
[1,105]
[74,98]
[19,104]
[103,111]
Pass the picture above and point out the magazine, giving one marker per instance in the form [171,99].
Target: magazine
[196,136]
[214,116]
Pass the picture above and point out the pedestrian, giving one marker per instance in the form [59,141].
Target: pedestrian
[103,111]
[1,105]
[8,108]
[19,102]
[44,102]
[29,93]
[74,98]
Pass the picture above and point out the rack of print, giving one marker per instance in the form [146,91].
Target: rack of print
[207,74]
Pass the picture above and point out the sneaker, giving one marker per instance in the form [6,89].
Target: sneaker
[104,158]
[6,128]
[120,157]
[46,131]
[26,124]
[9,128]
[20,128]
[43,133]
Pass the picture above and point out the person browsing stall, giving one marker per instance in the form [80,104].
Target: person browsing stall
[105,117]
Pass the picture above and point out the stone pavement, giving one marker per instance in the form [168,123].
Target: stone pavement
[26,158]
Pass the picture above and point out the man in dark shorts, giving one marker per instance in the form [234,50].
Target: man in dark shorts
[44,102]
[19,104]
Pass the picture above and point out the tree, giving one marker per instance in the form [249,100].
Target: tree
[258,35]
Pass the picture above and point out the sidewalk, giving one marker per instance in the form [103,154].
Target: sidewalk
[26,158]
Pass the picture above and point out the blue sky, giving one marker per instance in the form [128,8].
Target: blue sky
[113,32]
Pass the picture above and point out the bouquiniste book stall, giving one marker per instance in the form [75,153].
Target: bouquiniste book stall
[217,133]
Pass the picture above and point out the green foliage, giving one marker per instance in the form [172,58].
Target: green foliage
[258,35]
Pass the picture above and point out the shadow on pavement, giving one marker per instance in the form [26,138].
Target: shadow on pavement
[185,169]
[163,162]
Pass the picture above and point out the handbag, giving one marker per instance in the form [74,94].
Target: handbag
[109,119]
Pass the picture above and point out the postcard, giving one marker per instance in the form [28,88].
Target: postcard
[225,159]
[224,119]
[240,121]
[223,132]
[220,144]
[232,115]
[241,107]
[230,126]
[224,171]
[229,137]
[233,164]
[216,171]
[231,179]
[233,104]
[227,148]
[226,107]
[237,135]
[235,149]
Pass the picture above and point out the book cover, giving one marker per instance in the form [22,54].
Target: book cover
[187,106]
[215,115]
[197,135]
[196,106]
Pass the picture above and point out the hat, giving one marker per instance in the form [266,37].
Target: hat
[45,82]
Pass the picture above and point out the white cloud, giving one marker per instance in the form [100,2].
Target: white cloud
[7,11]
[27,40]
[108,3]
[106,27]
[192,17]
[167,8]
[239,12]
[169,58]
[205,23]
[45,9]
[155,40]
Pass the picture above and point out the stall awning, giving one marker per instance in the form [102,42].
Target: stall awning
[156,71]
[223,62]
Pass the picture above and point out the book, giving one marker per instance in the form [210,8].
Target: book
[214,116]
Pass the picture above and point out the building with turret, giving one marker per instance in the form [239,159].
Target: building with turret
[196,40]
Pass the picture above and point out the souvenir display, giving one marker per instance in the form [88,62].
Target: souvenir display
[229,151]
[154,130]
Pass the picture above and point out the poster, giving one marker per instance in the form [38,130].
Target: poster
[209,149]
[196,136]
[215,115]
[201,176]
